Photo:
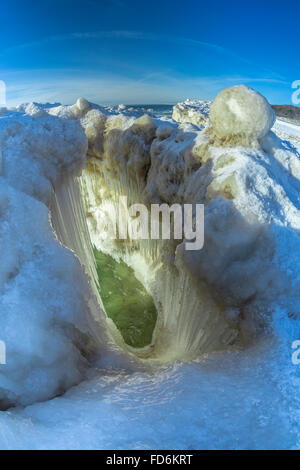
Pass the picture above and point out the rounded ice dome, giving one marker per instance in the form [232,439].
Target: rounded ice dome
[241,111]
[83,104]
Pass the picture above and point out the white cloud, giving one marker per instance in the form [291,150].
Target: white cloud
[66,87]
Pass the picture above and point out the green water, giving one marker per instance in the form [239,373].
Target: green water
[125,300]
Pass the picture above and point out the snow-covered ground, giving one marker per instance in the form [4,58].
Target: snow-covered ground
[288,129]
[221,375]
[234,400]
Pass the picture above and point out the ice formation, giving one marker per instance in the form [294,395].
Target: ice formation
[241,113]
[216,295]
[193,111]
[45,299]
[61,165]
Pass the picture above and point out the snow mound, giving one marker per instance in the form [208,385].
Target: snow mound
[241,113]
[193,111]
[45,295]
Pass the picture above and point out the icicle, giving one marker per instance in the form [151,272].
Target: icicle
[189,321]
[69,223]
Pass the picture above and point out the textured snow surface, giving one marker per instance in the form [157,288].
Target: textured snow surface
[238,400]
[238,296]
[193,111]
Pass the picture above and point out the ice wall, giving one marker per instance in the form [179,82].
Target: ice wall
[226,292]
[45,296]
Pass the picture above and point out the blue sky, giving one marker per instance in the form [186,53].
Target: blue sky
[157,51]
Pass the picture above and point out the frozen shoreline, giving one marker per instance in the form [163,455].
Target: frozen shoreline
[245,188]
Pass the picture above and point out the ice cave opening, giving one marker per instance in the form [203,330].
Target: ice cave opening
[161,301]
[152,307]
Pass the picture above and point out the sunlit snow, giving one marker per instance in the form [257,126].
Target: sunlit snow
[219,372]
